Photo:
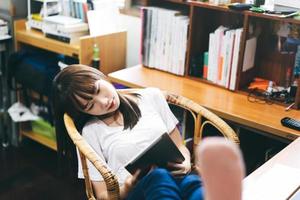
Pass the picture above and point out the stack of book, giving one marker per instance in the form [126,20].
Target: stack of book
[35,21]
[77,8]
[164,39]
[286,5]
[223,56]
[219,2]
[47,8]
[64,28]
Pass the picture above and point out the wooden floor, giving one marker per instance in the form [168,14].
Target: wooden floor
[30,172]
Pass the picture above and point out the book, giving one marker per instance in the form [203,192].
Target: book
[159,152]
[249,55]
[230,59]
[236,51]
[79,27]
[71,38]
[64,20]
[287,4]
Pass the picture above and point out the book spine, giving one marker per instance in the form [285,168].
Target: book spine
[85,10]
[143,37]
[205,65]
[58,37]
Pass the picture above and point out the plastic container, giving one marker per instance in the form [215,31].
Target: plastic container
[44,128]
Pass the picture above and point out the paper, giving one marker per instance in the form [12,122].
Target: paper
[64,20]
[103,20]
[249,55]
[284,30]
[19,113]
[5,37]
[288,3]
[276,184]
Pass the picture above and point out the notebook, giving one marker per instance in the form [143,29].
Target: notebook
[159,152]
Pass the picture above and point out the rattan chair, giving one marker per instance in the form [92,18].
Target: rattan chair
[86,152]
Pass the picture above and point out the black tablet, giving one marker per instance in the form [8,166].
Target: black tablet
[159,153]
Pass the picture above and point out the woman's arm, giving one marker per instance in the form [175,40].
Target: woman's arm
[183,168]
[100,190]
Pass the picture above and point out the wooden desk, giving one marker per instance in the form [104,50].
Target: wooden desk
[289,156]
[228,105]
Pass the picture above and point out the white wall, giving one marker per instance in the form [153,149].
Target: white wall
[131,24]
[133,27]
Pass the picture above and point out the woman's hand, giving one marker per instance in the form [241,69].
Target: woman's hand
[130,182]
[179,169]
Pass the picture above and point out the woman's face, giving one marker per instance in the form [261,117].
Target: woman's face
[104,101]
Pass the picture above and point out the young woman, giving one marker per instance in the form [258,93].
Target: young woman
[118,125]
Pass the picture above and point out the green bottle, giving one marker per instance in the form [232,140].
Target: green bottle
[96,57]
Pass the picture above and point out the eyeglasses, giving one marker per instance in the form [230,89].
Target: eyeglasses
[261,97]
[264,97]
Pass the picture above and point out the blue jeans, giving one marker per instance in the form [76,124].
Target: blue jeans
[160,184]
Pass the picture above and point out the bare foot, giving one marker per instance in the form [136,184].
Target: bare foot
[220,164]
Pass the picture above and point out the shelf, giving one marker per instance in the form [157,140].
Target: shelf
[179,1]
[212,6]
[40,139]
[37,39]
[47,1]
[249,13]
[112,45]
[272,17]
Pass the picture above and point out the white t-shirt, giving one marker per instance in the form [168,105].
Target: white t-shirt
[117,146]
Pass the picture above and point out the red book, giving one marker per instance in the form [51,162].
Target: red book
[205,68]
[85,10]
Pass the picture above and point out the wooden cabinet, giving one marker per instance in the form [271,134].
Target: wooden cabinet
[112,54]
[271,62]
[112,46]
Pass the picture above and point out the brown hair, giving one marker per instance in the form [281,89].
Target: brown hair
[79,80]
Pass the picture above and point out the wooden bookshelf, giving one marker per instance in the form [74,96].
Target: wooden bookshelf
[112,46]
[112,54]
[37,39]
[204,18]
[40,139]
